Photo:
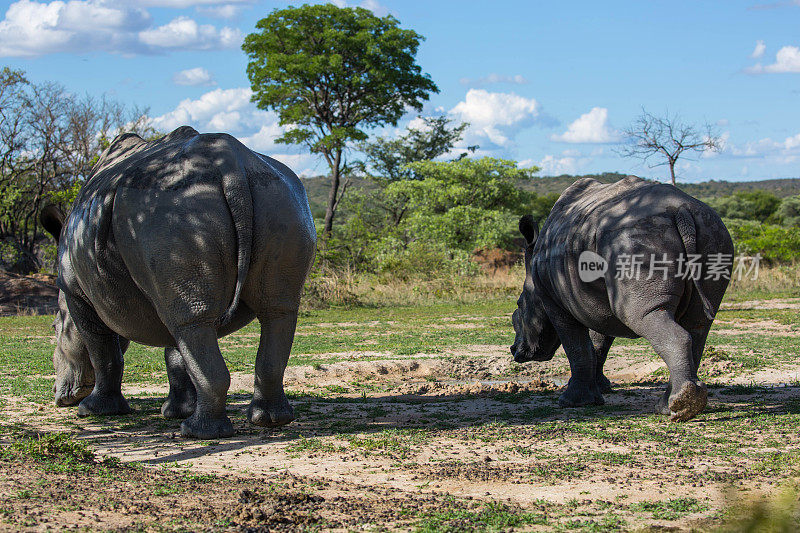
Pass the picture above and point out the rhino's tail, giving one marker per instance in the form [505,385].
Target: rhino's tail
[236,188]
[685,223]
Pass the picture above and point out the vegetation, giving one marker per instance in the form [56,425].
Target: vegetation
[667,137]
[49,141]
[430,225]
[389,159]
[330,72]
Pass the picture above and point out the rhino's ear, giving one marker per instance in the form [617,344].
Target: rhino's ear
[529,229]
[52,220]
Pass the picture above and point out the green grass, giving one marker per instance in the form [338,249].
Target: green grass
[487,517]
[384,332]
[670,509]
[56,452]
[26,342]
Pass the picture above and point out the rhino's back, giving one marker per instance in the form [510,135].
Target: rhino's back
[589,209]
[623,219]
[153,212]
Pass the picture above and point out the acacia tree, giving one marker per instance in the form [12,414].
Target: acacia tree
[330,72]
[389,158]
[669,137]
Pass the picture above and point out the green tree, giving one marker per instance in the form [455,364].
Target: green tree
[748,205]
[465,203]
[789,211]
[331,72]
[389,158]
[450,209]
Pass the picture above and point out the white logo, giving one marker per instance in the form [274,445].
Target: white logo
[591,266]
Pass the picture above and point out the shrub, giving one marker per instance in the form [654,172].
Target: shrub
[776,244]
[748,205]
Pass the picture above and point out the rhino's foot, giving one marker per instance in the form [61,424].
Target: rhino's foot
[199,427]
[104,405]
[578,395]
[690,400]
[604,384]
[178,407]
[270,414]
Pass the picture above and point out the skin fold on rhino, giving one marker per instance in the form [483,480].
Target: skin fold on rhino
[626,223]
[175,243]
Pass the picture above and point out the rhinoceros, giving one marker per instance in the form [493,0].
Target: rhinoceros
[174,243]
[582,288]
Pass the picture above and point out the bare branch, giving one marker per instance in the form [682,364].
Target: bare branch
[668,136]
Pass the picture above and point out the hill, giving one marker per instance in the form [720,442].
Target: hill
[317,187]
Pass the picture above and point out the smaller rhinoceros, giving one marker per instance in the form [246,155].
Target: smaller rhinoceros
[174,243]
[629,259]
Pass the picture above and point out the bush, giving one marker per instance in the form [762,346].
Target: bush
[748,205]
[789,211]
[776,244]
[422,260]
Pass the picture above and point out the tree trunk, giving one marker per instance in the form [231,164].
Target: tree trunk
[672,170]
[330,212]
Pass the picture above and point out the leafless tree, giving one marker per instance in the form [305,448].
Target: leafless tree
[49,141]
[669,137]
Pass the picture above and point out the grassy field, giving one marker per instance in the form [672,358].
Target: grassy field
[415,418]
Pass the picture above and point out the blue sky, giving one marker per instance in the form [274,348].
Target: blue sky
[544,83]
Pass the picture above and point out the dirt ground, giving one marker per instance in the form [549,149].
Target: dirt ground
[36,294]
[435,434]
[460,440]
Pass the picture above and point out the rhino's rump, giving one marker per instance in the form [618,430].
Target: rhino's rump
[179,249]
[618,221]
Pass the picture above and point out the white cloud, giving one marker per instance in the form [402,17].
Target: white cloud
[373,5]
[193,76]
[231,111]
[792,143]
[221,108]
[759,50]
[781,151]
[786,60]
[554,166]
[494,78]
[186,34]
[495,117]
[187,3]
[591,127]
[32,29]
[227,11]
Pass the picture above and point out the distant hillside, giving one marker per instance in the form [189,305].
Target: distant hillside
[778,187]
[705,189]
[317,187]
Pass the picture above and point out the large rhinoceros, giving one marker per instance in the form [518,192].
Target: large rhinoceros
[582,288]
[174,243]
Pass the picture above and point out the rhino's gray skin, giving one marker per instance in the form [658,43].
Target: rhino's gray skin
[556,307]
[175,243]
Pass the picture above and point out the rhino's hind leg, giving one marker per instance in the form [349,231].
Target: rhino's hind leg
[209,374]
[686,395]
[270,406]
[602,344]
[182,398]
